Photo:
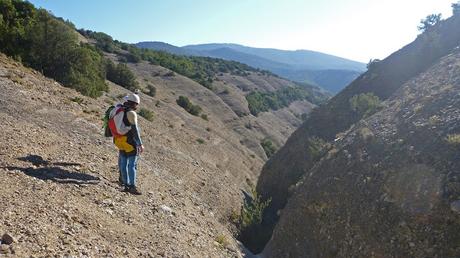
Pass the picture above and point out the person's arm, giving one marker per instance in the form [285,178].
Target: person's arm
[132,118]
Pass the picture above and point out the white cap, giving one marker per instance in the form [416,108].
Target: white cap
[134,98]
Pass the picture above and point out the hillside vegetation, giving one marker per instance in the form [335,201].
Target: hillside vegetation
[201,69]
[51,46]
[265,101]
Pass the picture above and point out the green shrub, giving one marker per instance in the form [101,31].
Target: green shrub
[252,211]
[185,103]
[268,147]
[205,117]
[200,141]
[456,8]
[151,90]
[316,147]
[222,240]
[121,75]
[373,63]
[365,104]
[234,217]
[103,41]
[453,139]
[430,21]
[147,114]
[253,230]
[195,110]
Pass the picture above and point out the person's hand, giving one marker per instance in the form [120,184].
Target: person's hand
[140,149]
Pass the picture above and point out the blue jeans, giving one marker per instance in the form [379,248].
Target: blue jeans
[128,168]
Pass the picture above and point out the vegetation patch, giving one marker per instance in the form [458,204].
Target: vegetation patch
[222,240]
[147,114]
[316,147]
[50,45]
[365,104]
[151,90]
[250,221]
[268,147]
[186,104]
[453,139]
[121,75]
[205,117]
[200,69]
[265,101]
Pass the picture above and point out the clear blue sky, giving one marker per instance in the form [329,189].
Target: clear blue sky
[355,29]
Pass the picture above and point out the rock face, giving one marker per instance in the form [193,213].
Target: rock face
[309,144]
[388,187]
[326,123]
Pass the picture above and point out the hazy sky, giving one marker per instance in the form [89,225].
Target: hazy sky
[355,29]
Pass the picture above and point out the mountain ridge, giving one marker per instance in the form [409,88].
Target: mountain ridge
[296,65]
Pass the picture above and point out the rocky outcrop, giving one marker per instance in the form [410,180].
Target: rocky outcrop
[306,146]
[387,186]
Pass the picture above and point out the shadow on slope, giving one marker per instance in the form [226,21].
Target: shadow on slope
[54,173]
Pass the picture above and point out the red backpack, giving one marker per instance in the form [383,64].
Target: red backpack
[115,115]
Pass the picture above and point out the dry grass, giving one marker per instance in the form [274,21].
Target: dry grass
[453,139]
[222,240]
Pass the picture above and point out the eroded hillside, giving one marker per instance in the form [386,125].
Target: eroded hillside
[59,192]
[225,103]
[389,187]
[307,145]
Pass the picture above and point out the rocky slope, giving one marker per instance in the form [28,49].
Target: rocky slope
[321,138]
[326,123]
[59,192]
[60,174]
[390,187]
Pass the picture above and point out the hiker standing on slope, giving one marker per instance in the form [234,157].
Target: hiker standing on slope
[126,136]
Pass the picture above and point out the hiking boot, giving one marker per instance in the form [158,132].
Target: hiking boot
[120,181]
[133,190]
[126,189]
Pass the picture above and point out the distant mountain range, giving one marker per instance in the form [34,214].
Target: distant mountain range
[327,71]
